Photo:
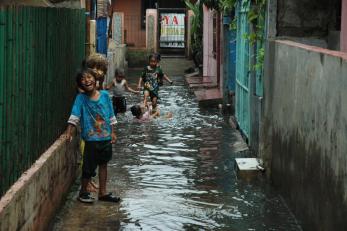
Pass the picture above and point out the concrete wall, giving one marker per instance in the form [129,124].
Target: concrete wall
[92,37]
[304,18]
[221,55]
[152,30]
[33,200]
[209,61]
[271,19]
[118,27]
[116,55]
[305,131]
[134,34]
[344,26]
[190,16]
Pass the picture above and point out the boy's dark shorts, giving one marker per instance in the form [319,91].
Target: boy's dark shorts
[119,104]
[95,153]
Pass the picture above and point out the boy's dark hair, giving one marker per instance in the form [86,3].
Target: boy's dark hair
[119,72]
[136,110]
[98,61]
[153,56]
[83,72]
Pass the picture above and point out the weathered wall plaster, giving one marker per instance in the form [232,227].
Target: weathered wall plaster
[304,139]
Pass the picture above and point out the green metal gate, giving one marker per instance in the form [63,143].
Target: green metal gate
[40,50]
[243,68]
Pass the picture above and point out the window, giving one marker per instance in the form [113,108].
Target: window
[146,4]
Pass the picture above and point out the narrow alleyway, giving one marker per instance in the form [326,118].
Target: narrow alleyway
[178,174]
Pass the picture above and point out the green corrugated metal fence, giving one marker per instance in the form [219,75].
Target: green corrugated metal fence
[243,65]
[40,51]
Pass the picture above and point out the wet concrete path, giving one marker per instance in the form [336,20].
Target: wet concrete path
[178,174]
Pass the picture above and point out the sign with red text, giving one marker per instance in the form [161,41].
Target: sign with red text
[172,30]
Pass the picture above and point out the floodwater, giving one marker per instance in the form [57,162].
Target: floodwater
[178,174]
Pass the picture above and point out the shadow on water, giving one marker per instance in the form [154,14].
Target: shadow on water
[178,174]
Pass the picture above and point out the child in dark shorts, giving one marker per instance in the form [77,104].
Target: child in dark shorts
[150,80]
[151,77]
[118,87]
[94,112]
[99,64]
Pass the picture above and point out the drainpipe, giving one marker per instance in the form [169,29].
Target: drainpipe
[218,48]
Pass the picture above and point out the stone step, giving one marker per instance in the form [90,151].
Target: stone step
[193,74]
[248,168]
[202,85]
[198,79]
[208,97]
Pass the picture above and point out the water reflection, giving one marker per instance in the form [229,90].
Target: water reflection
[179,174]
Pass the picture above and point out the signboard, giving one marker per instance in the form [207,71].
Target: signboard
[172,30]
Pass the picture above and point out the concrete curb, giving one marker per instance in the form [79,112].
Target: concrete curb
[33,200]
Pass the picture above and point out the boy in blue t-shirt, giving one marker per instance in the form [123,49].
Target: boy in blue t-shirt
[94,112]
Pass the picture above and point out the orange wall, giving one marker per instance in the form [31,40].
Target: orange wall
[135,35]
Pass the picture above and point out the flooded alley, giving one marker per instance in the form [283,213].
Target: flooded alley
[177,174]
